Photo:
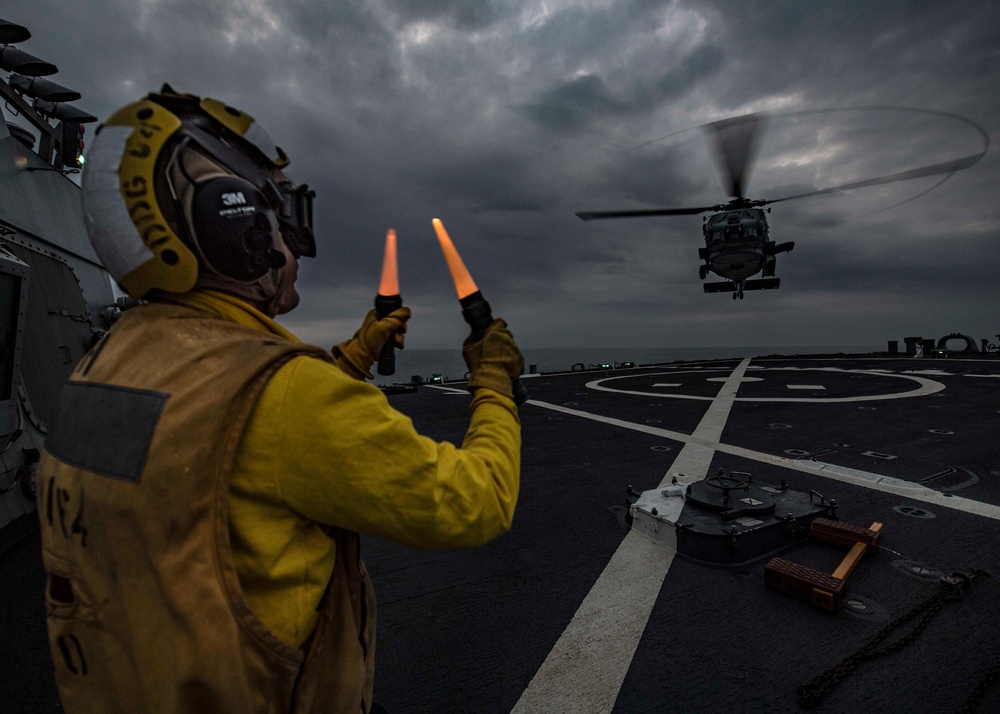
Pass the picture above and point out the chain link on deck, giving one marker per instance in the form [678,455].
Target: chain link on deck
[953,587]
[972,703]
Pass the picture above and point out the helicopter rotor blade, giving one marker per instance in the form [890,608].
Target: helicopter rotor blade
[945,167]
[735,144]
[598,215]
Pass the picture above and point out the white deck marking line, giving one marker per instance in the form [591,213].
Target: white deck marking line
[587,665]
[805,386]
[450,390]
[865,479]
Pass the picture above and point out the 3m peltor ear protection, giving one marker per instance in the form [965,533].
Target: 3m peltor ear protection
[236,228]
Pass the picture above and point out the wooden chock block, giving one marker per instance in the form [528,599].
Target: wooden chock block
[822,590]
[845,534]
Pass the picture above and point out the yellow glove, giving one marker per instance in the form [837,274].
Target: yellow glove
[356,355]
[494,361]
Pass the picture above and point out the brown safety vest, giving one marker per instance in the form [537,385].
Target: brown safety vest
[145,610]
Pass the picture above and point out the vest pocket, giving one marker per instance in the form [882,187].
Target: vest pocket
[61,590]
[60,596]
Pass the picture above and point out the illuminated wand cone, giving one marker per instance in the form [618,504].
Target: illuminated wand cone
[388,300]
[475,309]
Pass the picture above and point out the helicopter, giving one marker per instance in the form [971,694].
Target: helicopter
[737,236]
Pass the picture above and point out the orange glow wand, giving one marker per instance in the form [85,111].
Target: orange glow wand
[475,310]
[388,300]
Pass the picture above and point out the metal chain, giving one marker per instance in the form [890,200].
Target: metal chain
[953,587]
[972,703]
[71,316]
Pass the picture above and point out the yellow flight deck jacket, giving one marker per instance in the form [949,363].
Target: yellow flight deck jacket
[201,538]
[324,448]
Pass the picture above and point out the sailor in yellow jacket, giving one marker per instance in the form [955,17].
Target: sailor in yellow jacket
[207,475]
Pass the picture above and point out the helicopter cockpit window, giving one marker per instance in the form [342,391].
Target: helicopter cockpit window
[738,225]
[13,299]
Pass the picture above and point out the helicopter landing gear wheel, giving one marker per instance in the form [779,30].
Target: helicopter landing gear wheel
[734,296]
[741,294]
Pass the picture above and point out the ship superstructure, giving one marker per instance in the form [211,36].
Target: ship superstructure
[57,299]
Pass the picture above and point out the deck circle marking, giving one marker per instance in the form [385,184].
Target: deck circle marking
[660,447]
[925,386]
[940,431]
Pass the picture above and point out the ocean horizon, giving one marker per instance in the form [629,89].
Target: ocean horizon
[449,365]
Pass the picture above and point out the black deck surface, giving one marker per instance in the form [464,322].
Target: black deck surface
[467,631]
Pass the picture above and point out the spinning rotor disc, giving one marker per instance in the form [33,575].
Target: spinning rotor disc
[735,140]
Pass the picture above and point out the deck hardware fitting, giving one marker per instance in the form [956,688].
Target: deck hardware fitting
[879,455]
[918,570]
[857,605]
[913,511]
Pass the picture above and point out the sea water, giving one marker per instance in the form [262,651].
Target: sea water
[449,365]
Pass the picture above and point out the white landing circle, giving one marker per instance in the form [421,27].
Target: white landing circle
[923,386]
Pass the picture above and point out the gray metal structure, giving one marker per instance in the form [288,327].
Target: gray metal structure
[55,297]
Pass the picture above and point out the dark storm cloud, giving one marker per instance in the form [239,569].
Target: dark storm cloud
[461,14]
[571,105]
[491,180]
[579,102]
[503,118]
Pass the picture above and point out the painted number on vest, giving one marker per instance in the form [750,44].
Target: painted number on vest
[59,505]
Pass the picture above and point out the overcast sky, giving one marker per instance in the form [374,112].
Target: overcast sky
[503,118]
